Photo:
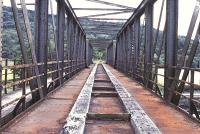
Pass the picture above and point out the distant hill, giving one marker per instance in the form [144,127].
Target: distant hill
[11,48]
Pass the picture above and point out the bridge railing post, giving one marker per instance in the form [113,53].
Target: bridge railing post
[5,76]
[81,50]
[14,74]
[114,52]
[119,53]
[60,37]
[68,42]
[87,52]
[132,50]
[84,51]
[77,49]
[1,86]
[71,32]
[148,45]
[128,51]
[123,61]
[171,45]
[41,40]
[136,44]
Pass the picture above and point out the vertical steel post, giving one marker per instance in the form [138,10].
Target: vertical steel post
[82,47]
[23,88]
[1,86]
[74,48]
[77,48]
[32,46]
[14,74]
[120,52]
[191,92]
[79,52]
[117,54]
[42,38]
[107,55]
[69,45]
[171,44]
[86,51]
[148,45]
[6,76]
[70,34]
[123,52]
[60,36]
[132,50]
[137,43]
[128,50]
[82,51]
[114,52]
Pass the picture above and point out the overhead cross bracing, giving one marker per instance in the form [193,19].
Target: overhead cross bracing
[103,18]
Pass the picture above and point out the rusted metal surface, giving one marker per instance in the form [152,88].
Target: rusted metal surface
[103,96]
[102,9]
[40,67]
[103,84]
[49,115]
[75,122]
[108,127]
[106,105]
[140,121]
[111,4]
[99,104]
[167,118]
[105,14]
[116,117]
[140,55]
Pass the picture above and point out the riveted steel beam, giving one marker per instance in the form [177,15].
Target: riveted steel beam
[171,44]
[1,87]
[102,9]
[42,38]
[111,4]
[148,44]
[60,36]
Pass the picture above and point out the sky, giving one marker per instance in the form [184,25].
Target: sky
[186,8]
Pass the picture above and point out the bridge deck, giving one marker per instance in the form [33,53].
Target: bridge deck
[168,119]
[49,116]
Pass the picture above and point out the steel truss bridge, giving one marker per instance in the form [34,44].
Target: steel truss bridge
[147,84]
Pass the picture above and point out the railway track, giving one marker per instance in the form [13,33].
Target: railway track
[95,102]
[104,107]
